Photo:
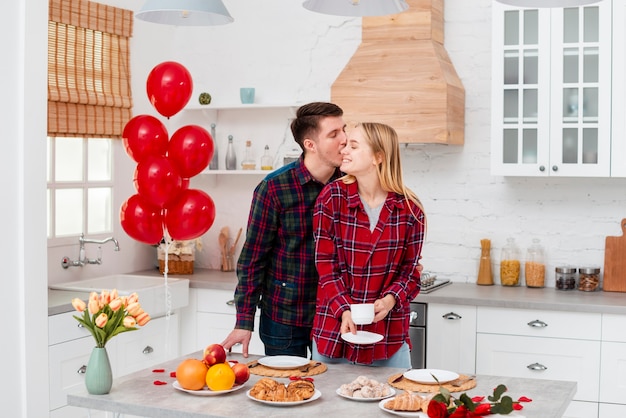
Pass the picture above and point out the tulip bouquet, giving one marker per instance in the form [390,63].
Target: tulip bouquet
[443,405]
[107,314]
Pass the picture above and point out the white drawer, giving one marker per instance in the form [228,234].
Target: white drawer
[216,301]
[612,382]
[63,327]
[614,328]
[536,323]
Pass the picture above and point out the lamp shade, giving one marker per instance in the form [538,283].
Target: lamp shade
[357,8]
[185,12]
[547,3]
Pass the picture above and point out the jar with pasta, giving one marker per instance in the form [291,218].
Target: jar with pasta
[534,267]
[510,264]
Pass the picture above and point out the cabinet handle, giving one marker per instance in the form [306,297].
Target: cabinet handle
[79,325]
[555,168]
[536,366]
[542,168]
[148,350]
[537,324]
[231,302]
[451,316]
[82,369]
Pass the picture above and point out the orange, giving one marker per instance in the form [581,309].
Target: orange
[191,374]
[220,377]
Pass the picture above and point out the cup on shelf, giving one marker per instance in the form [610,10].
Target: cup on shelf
[362,313]
[246,94]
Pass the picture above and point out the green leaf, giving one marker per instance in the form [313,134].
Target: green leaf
[497,392]
[467,401]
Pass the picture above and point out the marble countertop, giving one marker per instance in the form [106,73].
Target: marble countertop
[136,394]
[458,293]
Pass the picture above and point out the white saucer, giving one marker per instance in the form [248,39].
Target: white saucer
[284,362]
[362,337]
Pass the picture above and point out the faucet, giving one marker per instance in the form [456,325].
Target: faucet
[82,259]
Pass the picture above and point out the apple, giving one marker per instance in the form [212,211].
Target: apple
[242,373]
[213,354]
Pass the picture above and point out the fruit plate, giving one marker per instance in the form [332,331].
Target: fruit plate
[427,376]
[206,391]
[315,396]
[283,362]
[418,414]
[352,398]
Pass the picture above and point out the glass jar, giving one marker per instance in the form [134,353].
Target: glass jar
[266,160]
[588,279]
[248,162]
[510,264]
[535,268]
[565,278]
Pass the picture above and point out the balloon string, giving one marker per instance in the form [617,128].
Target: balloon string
[168,295]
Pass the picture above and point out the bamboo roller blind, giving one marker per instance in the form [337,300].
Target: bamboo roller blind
[89,92]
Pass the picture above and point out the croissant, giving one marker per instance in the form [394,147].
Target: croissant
[264,388]
[267,389]
[300,390]
[408,401]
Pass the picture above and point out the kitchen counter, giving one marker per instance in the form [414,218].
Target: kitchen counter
[136,394]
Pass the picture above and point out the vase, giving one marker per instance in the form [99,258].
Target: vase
[99,377]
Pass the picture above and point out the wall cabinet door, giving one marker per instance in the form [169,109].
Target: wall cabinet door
[618,139]
[551,91]
[451,337]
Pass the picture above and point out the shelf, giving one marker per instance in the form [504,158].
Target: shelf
[238,106]
[237,172]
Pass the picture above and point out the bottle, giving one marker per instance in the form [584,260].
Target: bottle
[266,159]
[485,275]
[214,164]
[509,264]
[248,162]
[535,268]
[231,157]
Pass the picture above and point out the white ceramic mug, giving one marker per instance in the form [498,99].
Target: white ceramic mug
[362,313]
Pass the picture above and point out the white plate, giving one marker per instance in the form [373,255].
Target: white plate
[315,396]
[284,362]
[418,414]
[338,391]
[206,391]
[362,337]
[425,376]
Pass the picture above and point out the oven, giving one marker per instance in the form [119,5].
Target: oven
[417,334]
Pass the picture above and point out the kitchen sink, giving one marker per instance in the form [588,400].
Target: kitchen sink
[151,290]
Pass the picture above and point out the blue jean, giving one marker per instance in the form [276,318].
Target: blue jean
[401,359]
[286,340]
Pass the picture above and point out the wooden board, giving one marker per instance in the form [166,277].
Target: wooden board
[615,262]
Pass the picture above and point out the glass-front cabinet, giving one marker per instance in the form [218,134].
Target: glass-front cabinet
[551,91]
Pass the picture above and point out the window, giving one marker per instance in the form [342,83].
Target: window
[80,186]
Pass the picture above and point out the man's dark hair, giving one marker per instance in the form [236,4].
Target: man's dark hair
[308,117]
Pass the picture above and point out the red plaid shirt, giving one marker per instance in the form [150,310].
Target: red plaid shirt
[359,266]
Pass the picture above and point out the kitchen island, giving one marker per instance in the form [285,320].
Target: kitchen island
[136,394]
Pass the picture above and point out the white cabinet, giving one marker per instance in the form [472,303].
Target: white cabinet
[541,345]
[551,105]
[612,381]
[451,337]
[618,151]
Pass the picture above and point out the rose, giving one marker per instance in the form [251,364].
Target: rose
[437,410]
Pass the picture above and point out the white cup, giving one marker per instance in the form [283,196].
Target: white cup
[362,313]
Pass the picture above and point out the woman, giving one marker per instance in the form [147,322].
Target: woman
[369,230]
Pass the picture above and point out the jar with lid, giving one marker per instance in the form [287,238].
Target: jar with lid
[535,268]
[248,162]
[565,278]
[588,279]
[266,160]
[510,264]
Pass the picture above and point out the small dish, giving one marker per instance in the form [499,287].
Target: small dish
[206,391]
[418,414]
[427,376]
[352,398]
[362,337]
[315,396]
[284,362]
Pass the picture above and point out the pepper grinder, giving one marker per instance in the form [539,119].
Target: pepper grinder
[213,165]
[231,157]
[485,275]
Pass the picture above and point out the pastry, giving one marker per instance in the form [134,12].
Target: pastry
[267,389]
[408,401]
[300,390]
[363,387]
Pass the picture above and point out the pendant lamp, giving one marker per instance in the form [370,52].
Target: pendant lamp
[185,12]
[356,8]
[547,3]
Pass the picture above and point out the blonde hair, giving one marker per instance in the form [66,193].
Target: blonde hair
[383,141]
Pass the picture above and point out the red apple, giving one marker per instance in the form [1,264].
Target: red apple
[242,373]
[213,354]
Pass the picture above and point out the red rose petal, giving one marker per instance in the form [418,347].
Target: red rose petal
[158,370]
[159,382]
[524,399]
[172,374]
[477,399]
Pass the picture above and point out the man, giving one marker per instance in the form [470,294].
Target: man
[276,268]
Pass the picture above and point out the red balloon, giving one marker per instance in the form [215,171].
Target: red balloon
[144,135]
[142,221]
[157,180]
[185,184]
[169,87]
[190,149]
[191,215]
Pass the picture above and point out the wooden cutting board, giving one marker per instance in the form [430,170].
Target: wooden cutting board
[615,262]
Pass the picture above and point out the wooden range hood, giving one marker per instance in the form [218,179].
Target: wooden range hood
[401,75]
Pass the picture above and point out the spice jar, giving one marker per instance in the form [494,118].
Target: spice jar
[588,279]
[565,278]
[534,268]
[510,264]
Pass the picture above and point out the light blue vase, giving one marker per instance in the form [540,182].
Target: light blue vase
[99,377]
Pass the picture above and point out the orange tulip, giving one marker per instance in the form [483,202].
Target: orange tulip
[134,309]
[133,297]
[143,319]
[114,294]
[115,304]
[105,297]
[101,320]
[129,322]
[94,307]
[79,304]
